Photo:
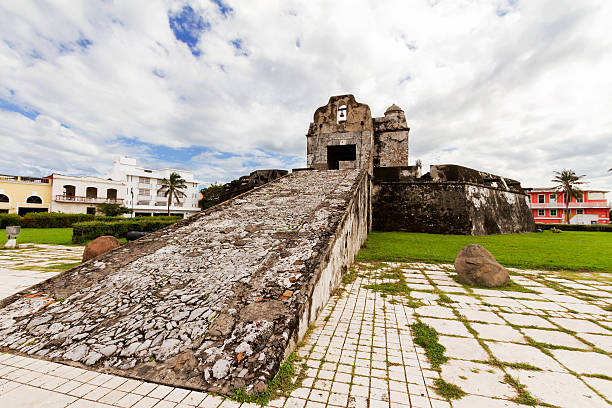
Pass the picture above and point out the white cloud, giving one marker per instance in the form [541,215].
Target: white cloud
[515,88]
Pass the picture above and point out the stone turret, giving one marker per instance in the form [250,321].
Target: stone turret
[391,138]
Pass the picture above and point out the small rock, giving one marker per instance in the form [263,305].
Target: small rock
[221,369]
[259,386]
[196,313]
[77,353]
[108,350]
[92,358]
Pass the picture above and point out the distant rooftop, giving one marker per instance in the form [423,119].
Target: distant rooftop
[25,179]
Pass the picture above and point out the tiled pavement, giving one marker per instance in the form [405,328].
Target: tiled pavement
[361,351]
[33,263]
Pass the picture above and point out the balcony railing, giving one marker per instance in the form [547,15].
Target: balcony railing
[93,200]
[601,204]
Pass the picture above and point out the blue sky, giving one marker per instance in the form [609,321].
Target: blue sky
[225,87]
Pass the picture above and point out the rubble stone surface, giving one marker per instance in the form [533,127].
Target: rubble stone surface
[213,302]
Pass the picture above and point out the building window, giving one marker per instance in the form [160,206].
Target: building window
[34,200]
[541,198]
[540,213]
[4,198]
[144,180]
[579,211]
[553,198]
[69,190]
[580,199]
[111,193]
[91,210]
[91,192]
[144,192]
[553,213]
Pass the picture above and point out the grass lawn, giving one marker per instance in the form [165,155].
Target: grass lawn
[61,236]
[568,250]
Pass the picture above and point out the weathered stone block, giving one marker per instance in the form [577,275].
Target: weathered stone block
[477,266]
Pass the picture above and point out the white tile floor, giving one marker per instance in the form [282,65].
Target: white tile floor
[30,264]
[361,352]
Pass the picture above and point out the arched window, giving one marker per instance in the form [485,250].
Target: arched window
[4,198]
[92,192]
[111,193]
[34,200]
[69,190]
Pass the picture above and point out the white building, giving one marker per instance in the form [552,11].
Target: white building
[79,195]
[141,187]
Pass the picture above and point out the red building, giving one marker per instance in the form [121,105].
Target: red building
[548,205]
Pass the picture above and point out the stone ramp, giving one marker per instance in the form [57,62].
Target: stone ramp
[214,302]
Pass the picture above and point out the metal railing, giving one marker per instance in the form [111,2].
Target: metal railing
[81,199]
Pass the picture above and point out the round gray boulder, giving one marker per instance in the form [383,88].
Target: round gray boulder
[476,266]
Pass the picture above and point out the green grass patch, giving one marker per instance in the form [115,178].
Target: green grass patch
[350,276]
[602,376]
[442,298]
[281,385]
[448,390]
[427,337]
[373,267]
[414,303]
[396,288]
[572,250]
[519,366]
[523,395]
[58,236]
[61,267]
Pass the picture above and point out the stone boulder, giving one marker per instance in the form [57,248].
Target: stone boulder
[99,246]
[476,266]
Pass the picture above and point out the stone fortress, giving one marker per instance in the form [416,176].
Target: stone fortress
[449,199]
[217,301]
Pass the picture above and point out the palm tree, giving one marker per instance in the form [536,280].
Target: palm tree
[172,188]
[567,181]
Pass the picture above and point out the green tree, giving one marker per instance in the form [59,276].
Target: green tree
[568,182]
[173,188]
[211,195]
[112,210]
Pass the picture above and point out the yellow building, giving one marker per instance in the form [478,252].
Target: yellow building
[20,195]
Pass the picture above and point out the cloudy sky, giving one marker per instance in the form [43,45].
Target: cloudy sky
[223,87]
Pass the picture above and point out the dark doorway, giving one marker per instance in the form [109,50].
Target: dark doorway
[336,154]
[24,210]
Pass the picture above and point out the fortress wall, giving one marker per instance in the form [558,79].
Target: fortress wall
[453,207]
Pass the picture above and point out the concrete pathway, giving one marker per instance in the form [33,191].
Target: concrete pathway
[549,340]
